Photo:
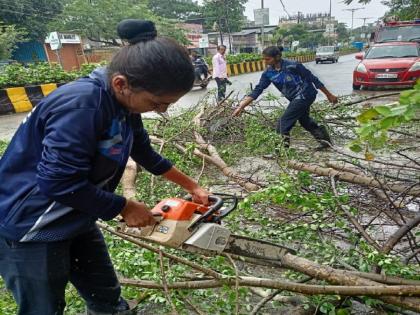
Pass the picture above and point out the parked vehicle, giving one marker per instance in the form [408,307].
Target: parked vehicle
[326,53]
[392,63]
[391,31]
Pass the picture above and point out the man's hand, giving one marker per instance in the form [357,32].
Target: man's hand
[332,98]
[137,214]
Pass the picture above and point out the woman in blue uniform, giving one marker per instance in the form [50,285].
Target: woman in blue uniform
[299,86]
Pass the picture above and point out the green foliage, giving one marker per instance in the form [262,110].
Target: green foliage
[246,57]
[175,9]
[224,15]
[3,146]
[376,121]
[32,16]
[404,9]
[97,19]
[10,35]
[40,73]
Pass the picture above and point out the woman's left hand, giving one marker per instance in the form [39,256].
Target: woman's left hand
[200,195]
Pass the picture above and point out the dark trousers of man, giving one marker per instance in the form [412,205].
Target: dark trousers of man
[37,274]
[221,88]
[298,110]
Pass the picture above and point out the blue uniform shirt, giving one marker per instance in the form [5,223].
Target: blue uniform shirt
[293,80]
[58,175]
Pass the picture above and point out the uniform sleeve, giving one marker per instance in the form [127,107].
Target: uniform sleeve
[69,147]
[309,76]
[261,86]
[142,151]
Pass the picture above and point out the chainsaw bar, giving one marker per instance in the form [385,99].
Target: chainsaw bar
[253,248]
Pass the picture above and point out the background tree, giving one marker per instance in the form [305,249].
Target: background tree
[32,16]
[226,15]
[97,19]
[404,9]
[175,9]
[9,36]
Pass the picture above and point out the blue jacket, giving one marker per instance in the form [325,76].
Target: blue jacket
[293,80]
[59,172]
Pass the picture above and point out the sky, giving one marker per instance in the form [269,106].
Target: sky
[373,10]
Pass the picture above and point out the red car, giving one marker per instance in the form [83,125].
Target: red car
[388,64]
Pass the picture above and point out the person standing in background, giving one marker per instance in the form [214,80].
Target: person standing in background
[220,72]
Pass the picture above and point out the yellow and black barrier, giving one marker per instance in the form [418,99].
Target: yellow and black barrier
[23,99]
[255,66]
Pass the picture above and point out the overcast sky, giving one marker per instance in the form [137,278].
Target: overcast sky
[372,10]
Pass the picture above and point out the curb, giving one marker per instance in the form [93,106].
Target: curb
[23,99]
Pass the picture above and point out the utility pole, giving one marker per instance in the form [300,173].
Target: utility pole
[262,26]
[363,27]
[352,17]
[329,22]
[298,18]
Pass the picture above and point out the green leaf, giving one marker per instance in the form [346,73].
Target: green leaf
[383,110]
[355,147]
[367,115]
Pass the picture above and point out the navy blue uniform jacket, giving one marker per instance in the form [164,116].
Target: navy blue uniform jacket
[293,80]
[59,173]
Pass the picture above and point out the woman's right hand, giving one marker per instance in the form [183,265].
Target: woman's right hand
[137,214]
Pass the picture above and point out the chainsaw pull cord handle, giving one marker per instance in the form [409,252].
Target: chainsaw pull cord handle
[217,204]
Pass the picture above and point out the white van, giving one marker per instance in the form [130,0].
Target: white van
[326,53]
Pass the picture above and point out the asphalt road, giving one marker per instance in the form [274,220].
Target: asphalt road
[337,77]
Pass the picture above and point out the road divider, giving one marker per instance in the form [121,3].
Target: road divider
[23,99]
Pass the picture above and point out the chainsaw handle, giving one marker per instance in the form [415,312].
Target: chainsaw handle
[217,204]
[216,201]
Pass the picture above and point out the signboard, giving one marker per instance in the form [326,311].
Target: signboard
[295,43]
[54,40]
[262,17]
[69,38]
[203,42]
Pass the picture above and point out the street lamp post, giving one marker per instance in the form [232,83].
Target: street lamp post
[352,17]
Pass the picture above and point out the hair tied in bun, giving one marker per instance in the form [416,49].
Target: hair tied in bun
[135,31]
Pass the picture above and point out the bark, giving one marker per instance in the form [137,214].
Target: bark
[128,180]
[352,178]
[216,160]
[401,232]
[308,289]
[345,278]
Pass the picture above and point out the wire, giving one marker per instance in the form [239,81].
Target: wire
[284,8]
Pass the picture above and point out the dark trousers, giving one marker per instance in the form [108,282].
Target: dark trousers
[298,110]
[221,88]
[37,274]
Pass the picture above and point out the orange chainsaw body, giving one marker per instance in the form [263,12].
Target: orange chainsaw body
[178,209]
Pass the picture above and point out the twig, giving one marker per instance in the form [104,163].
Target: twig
[165,284]
[236,284]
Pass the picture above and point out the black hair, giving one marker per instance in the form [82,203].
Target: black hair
[273,51]
[158,65]
[221,46]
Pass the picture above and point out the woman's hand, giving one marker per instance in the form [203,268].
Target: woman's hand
[200,195]
[137,214]
[332,98]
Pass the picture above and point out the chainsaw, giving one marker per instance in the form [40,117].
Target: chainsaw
[194,227]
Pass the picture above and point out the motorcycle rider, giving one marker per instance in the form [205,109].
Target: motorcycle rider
[200,66]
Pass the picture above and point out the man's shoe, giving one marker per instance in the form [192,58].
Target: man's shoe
[322,136]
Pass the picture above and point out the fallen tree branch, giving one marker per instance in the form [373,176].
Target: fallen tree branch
[352,178]
[400,233]
[308,289]
[353,220]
